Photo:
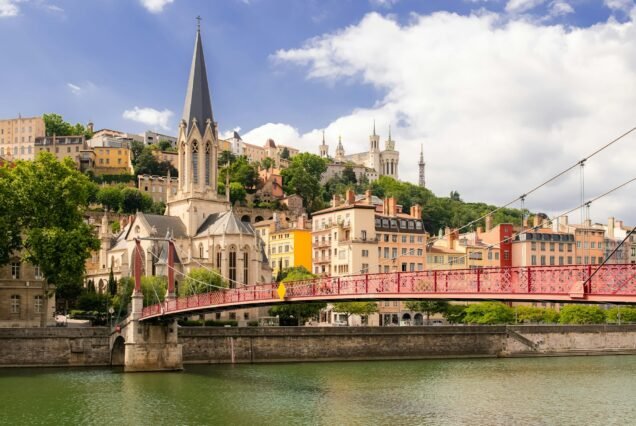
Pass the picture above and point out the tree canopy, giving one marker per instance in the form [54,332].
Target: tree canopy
[54,124]
[201,280]
[45,201]
[302,177]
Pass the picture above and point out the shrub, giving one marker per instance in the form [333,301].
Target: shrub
[532,314]
[252,323]
[627,314]
[488,313]
[581,314]
[455,314]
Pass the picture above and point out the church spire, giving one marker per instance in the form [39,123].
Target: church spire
[197,101]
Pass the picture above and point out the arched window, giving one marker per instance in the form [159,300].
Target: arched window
[182,165]
[195,162]
[232,265]
[15,303]
[200,250]
[246,267]
[207,162]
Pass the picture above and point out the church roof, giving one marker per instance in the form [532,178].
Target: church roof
[225,223]
[162,225]
[197,101]
[270,143]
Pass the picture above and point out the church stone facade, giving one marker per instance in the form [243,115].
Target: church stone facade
[206,231]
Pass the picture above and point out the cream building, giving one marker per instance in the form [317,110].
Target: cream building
[17,137]
[62,146]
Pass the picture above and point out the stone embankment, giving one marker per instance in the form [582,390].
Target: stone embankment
[90,346]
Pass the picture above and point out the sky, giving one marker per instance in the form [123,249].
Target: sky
[499,94]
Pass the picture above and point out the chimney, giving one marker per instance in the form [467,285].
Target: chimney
[350,197]
[301,222]
[536,221]
[368,197]
[452,238]
[564,219]
[335,201]
[416,211]
[619,224]
[488,223]
[392,206]
[610,227]
[478,232]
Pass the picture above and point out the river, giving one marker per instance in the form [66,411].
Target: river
[528,391]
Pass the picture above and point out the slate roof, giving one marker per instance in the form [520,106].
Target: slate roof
[162,225]
[225,223]
[197,101]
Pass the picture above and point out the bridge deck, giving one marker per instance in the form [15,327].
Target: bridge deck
[610,284]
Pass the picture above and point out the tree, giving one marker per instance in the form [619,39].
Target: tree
[489,313]
[90,286]
[9,216]
[242,172]
[284,153]
[201,280]
[54,124]
[531,314]
[226,157]
[621,314]
[49,199]
[355,308]
[112,283]
[455,314]
[267,163]
[153,289]
[349,176]
[296,314]
[147,164]
[165,145]
[110,197]
[237,193]
[136,148]
[133,200]
[428,307]
[581,314]
[302,177]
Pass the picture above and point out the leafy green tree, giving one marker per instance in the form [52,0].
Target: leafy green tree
[241,171]
[90,286]
[284,153]
[91,301]
[9,216]
[531,314]
[165,145]
[349,176]
[110,197]
[356,308]
[581,314]
[147,164]
[112,283]
[621,314]
[54,124]
[226,157]
[49,198]
[455,314]
[427,307]
[267,163]
[295,273]
[201,280]
[302,177]
[136,148]
[154,289]
[237,193]
[115,227]
[296,313]
[134,200]
[489,313]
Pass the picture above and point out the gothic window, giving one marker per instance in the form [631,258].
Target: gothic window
[232,268]
[218,259]
[200,251]
[183,155]
[195,162]
[207,163]
[245,267]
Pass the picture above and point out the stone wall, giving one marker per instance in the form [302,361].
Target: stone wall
[53,346]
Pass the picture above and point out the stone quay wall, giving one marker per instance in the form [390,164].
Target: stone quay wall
[59,347]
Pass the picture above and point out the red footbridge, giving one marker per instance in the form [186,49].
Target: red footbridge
[610,283]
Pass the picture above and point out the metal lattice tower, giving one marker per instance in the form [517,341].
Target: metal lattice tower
[422,165]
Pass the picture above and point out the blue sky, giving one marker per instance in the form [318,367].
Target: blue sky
[487,87]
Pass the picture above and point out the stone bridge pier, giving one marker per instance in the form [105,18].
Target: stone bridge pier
[146,346]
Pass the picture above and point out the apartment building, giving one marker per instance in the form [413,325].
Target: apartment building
[157,187]
[18,135]
[62,146]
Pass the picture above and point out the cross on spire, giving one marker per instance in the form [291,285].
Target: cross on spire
[198,18]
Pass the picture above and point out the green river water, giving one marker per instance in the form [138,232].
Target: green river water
[531,391]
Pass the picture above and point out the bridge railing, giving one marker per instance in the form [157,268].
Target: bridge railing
[506,281]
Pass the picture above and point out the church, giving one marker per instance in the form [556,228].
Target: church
[206,231]
[372,163]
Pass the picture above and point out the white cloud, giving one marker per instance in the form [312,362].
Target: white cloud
[54,8]
[282,134]
[227,134]
[8,8]
[387,4]
[150,117]
[155,6]
[624,5]
[75,89]
[520,6]
[560,8]
[499,106]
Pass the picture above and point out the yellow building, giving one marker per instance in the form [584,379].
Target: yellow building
[286,244]
[112,160]
[17,137]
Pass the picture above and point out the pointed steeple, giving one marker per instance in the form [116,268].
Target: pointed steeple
[374,127]
[197,101]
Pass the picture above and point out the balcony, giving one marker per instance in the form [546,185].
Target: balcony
[322,259]
[321,243]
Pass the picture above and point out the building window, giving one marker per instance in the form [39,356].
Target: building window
[207,163]
[246,268]
[365,268]
[232,316]
[38,303]
[232,268]
[365,253]
[551,260]
[15,270]
[200,251]
[195,163]
[506,255]
[533,259]
[403,238]
[218,260]
[37,272]
[386,252]
[15,304]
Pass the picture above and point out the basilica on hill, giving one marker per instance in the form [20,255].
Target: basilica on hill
[206,231]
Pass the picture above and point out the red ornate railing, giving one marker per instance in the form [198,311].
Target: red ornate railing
[611,283]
